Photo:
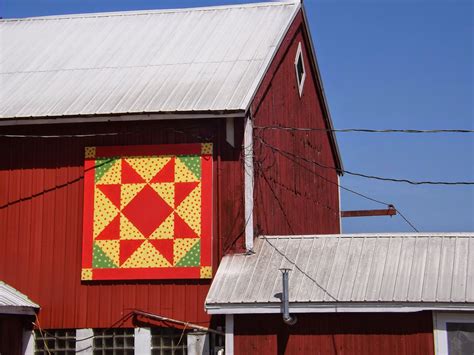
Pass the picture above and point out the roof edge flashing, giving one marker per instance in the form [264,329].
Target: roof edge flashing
[157,116]
[150,11]
[339,307]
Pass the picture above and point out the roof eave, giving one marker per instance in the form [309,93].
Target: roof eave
[18,310]
[122,117]
[336,307]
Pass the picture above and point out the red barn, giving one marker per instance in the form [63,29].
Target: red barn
[141,148]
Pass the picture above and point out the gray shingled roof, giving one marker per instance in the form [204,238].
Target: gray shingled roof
[360,272]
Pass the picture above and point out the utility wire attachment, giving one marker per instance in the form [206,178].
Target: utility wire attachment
[363,130]
[373,177]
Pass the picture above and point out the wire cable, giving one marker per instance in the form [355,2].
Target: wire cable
[374,177]
[355,192]
[88,135]
[363,130]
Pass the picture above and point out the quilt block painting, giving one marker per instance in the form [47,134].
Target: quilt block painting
[147,212]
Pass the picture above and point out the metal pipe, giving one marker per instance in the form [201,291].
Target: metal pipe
[285,299]
[166,319]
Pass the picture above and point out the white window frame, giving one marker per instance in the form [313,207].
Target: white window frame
[300,84]
[439,328]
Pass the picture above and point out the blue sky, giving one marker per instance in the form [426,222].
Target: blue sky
[385,64]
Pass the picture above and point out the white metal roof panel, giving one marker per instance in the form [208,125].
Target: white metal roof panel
[426,270]
[13,301]
[201,59]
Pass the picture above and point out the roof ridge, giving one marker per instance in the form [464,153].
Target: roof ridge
[152,11]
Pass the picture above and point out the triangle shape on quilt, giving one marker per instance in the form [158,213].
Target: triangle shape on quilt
[181,247]
[111,249]
[100,260]
[146,256]
[165,230]
[112,192]
[182,190]
[182,229]
[192,257]
[165,247]
[104,212]
[127,248]
[129,175]
[166,174]
[111,231]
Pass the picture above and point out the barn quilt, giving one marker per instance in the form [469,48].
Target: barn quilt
[147,212]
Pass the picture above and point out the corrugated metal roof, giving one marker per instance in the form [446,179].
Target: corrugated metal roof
[332,270]
[201,59]
[13,301]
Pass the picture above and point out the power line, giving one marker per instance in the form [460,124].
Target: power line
[87,135]
[62,135]
[374,177]
[363,130]
[356,193]
[281,128]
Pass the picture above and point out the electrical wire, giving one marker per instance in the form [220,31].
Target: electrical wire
[280,204]
[88,135]
[281,128]
[120,321]
[37,324]
[374,177]
[363,130]
[355,192]
[303,195]
[63,135]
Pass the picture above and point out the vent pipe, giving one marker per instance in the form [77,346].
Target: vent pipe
[285,299]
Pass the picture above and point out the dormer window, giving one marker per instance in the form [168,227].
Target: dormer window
[300,70]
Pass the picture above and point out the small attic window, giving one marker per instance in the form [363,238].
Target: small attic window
[300,70]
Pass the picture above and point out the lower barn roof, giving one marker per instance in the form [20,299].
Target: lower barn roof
[353,273]
[13,301]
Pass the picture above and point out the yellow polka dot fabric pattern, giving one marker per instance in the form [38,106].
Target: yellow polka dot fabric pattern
[147,212]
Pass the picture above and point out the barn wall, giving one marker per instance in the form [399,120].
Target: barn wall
[293,196]
[327,334]
[41,201]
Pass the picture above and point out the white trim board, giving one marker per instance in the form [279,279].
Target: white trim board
[118,118]
[373,307]
[248,183]
[229,334]
[439,328]
[85,341]
[142,341]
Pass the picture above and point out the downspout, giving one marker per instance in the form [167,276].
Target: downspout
[285,299]
[248,183]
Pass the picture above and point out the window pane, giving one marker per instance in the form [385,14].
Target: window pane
[113,341]
[165,340]
[55,341]
[300,69]
[460,338]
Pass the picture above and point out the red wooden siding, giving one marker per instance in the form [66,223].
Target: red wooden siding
[41,202]
[327,334]
[307,195]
